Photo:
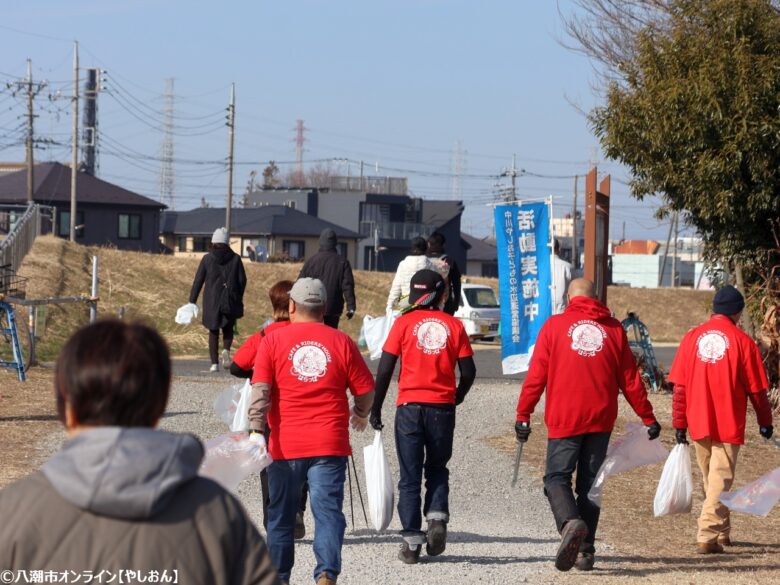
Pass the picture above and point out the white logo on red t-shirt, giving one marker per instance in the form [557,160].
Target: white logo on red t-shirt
[431,336]
[711,346]
[309,361]
[587,337]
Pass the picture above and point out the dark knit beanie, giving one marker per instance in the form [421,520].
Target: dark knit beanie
[728,301]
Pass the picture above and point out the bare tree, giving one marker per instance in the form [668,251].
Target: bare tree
[607,30]
[319,175]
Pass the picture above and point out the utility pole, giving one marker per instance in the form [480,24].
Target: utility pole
[458,170]
[74,166]
[30,116]
[575,257]
[361,176]
[231,135]
[666,253]
[513,173]
[90,122]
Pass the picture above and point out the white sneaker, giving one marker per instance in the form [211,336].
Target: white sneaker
[214,368]
[225,359]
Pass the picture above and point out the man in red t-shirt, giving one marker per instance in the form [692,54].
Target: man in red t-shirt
[430,343]
[299,386]
[716,369]
[582,359]
[242,366]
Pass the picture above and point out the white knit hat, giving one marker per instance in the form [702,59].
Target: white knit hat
[220,236]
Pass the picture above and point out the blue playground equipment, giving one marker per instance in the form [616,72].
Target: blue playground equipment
[10,334]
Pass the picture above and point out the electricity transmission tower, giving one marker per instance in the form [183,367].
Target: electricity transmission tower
[459,167]
[167,172]
[299,142]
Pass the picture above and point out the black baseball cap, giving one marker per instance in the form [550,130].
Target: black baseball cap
[425,288]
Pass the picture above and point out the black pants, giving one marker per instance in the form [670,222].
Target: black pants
[332,321]
[227,341]
[585,454]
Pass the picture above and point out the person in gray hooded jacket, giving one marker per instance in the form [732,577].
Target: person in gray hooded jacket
[121,496]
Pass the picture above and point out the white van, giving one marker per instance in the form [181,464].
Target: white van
[479,311]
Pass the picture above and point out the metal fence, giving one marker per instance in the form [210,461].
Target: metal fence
[396,230]
[21,235]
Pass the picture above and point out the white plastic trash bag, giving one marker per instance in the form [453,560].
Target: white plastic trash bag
[186,313]
[634,449]
[756,498]
[379,483]
[675,489]
[231,458]
[241,418]
[226,403]
[376,330]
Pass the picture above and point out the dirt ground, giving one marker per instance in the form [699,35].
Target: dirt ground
[632,542]
[27,413]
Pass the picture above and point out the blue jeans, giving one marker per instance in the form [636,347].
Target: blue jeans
[423,441]
[326,491]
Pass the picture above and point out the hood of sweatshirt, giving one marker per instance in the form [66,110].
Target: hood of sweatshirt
[590,308]
[123,472]
[222,255]
[328,239]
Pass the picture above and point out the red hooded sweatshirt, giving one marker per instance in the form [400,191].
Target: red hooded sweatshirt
[583,359]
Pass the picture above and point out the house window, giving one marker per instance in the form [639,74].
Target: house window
[63,224]
[129,226]
[181,243]
[294,249]
[341,248]
[200,243]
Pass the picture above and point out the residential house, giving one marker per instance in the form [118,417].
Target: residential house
[386,222]
[106,214]
[279,231]
[481,257]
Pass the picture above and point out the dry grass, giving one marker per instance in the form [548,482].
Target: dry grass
[151,287]
[27,415]
[641,545]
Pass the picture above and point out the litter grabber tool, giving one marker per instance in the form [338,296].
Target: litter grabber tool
[518,457]
[351,501]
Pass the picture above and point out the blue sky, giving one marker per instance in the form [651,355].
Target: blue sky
[395,84]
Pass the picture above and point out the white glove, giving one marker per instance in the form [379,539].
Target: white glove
[259,440]
[358,423]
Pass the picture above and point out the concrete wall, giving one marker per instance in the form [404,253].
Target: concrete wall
[642,270]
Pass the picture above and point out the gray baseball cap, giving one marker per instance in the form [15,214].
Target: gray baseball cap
[309,292]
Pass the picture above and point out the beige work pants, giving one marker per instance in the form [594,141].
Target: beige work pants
[717,462]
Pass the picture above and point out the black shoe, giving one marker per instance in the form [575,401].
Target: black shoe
[436,537]
[300,527]
[574,532]
[584,561]
[408,555]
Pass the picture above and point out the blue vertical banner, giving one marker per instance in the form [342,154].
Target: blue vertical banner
[524,279]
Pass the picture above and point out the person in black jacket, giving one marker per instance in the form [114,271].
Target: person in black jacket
[335,273]
[221,275]
[449,271]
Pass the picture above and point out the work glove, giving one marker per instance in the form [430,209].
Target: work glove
[459,398]
[766,431]
[350,314]
[681,435]
[522,430]
[258,439]
[653,431]
[376,421]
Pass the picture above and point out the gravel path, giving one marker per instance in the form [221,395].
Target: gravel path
[496,534]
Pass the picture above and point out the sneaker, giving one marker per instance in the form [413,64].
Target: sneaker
[708,548]
[324,579]
[214,368]
[300,527]
[225,359]
[436,537]
[409,553]
[584,561]
[574,532]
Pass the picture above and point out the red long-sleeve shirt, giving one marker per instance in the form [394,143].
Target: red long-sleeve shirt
[582,359]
